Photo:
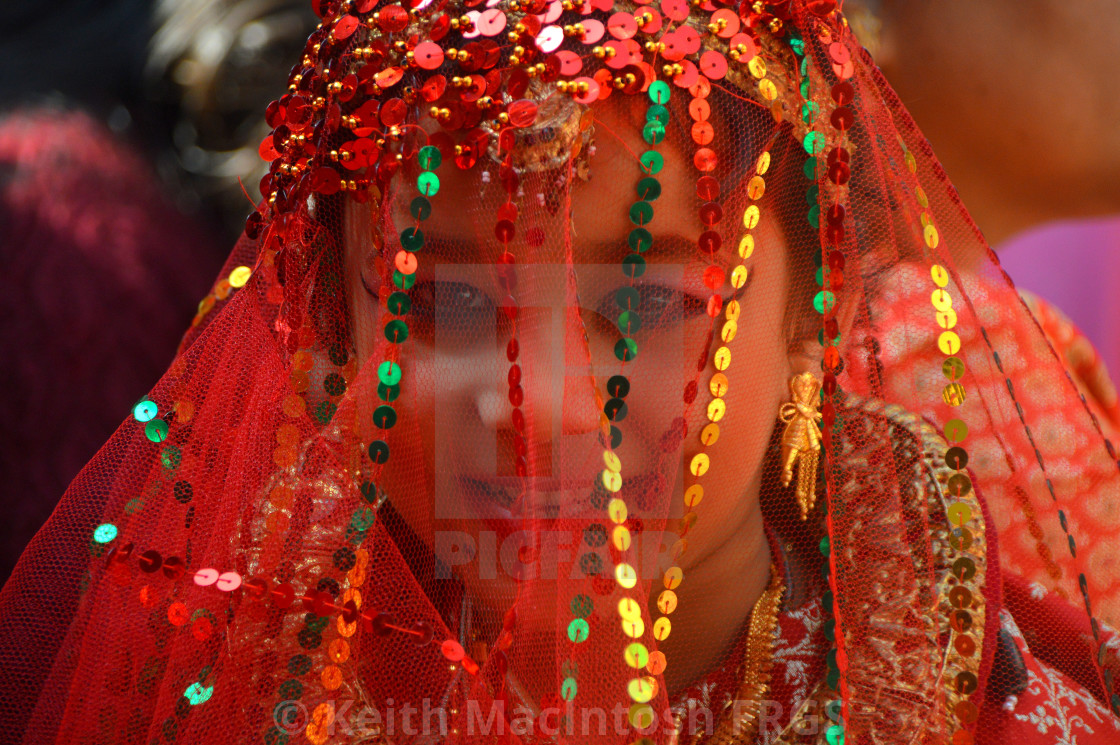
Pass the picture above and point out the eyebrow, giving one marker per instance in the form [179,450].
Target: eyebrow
[459,250]
[674,241]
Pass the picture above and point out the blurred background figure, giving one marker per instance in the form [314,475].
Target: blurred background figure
[124,127]
[1043,189]
[211,69]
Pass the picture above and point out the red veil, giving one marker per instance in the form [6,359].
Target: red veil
[508,336]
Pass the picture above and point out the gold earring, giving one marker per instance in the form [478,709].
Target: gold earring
[801,441]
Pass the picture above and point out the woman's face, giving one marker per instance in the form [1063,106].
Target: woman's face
[460,492]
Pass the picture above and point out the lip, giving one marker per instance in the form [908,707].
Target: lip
[496,497]
[493,498]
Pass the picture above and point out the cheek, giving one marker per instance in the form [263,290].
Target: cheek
[742,434]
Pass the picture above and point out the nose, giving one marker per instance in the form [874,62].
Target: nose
[546,403]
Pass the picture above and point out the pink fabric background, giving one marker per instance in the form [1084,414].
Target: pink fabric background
[1076,267]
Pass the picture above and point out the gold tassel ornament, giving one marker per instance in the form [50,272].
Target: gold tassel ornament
[801,441]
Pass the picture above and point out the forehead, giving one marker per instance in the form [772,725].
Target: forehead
[585,209]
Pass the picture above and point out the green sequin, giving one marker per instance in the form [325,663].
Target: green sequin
[581,606]
[627,298]
[323,412]
[105,533]
[384,417]
[299,664]
[399,304]
[388,393]
[290,689]
[568,689]
[633,266]
[420,208]
[334,384]
[145,411]
[641,213]
[379,451]
[629,322]
[156,430]
[814,143]
[820,338]
[659,92]
[649,188]
[389,372]
[809,111]
[640,240]
[659,113]
[626,349]
[183,492]
[578,630]
[363,518]
[428,184]
[171,457]
[810,169]
[824,301]
[430,157]
[652,162]
[197,694]
[396,331]
[412,239]
[653,132]
[833,679]
[275,735]
[404,281]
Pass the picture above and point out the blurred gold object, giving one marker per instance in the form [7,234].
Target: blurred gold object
[801,441]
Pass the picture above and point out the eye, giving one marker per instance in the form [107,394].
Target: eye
[656,306]
[452,312]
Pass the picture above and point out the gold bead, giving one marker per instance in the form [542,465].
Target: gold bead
[503,118]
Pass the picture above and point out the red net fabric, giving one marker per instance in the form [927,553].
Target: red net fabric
[477,437]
